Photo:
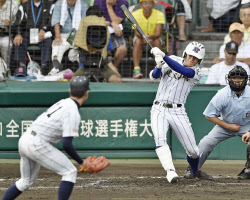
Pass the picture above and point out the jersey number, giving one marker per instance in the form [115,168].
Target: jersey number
[53,111]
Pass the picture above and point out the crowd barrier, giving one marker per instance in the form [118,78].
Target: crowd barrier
[115,119]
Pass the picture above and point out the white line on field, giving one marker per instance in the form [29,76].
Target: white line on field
[118,177]
[56,187]
[233,183]
[98,182]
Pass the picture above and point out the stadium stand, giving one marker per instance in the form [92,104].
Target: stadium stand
[212,40]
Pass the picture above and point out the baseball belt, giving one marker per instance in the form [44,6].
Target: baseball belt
[166,105]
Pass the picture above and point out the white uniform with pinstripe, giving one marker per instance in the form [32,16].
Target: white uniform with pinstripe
[174,89]
[36,145]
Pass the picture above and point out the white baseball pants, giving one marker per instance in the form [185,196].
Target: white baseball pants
[162,118]
[35,152]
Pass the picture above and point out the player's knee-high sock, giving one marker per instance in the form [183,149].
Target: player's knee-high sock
[65,190]
[165,157]
[194,163]
[11,193]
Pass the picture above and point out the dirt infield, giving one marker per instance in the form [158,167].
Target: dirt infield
[131,180]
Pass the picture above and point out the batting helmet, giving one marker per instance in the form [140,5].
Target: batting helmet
[237,72]
[195,49]
[79,85]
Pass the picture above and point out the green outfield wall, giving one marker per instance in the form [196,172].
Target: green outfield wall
[115,119]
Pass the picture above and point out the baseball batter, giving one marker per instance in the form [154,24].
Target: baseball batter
[178,76]
[60,122]
[232,104]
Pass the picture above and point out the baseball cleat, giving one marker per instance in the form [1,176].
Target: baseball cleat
[188,174]
[175,180]
[199,174]
[172,177]
[244,174]
[203,175]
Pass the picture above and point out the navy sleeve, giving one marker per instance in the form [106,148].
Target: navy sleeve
[70,150]
[157,73]
[188,72]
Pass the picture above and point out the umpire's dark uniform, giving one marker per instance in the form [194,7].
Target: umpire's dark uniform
[41,20]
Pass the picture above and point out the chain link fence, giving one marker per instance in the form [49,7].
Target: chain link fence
[39,28]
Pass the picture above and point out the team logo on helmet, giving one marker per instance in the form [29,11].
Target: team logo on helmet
[248,115]
[196,49]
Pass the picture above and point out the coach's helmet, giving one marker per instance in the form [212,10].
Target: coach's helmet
[79,85]
[195,49]
[237,72]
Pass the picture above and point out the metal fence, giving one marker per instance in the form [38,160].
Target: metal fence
[13,13]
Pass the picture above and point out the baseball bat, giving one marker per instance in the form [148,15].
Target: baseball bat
[134,23]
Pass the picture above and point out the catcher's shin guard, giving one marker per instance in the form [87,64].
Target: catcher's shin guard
[248,158]
[165,157]
[245,173]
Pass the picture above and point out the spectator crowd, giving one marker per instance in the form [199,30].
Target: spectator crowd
[236,47]
[52,27]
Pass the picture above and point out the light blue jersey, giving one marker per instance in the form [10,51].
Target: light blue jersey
[232,109]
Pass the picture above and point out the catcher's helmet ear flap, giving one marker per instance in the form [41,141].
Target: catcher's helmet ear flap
[237,72]
[79,85]
[195,49]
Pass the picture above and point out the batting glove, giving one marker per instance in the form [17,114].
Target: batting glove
[159,61]
[157,52]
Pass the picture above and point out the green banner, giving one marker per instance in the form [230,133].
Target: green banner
[115,118]
[100,128]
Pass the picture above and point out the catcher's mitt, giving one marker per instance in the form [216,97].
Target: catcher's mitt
[94,164]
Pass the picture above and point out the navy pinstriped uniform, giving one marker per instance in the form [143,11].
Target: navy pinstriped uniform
[168,108]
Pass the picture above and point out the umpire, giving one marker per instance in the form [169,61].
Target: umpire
[233,106]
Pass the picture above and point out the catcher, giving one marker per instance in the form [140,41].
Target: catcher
[59,122]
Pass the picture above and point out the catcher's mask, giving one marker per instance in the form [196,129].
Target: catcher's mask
[237,72]
[195,49]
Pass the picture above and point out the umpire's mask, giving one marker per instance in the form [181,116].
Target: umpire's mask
[239,72]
